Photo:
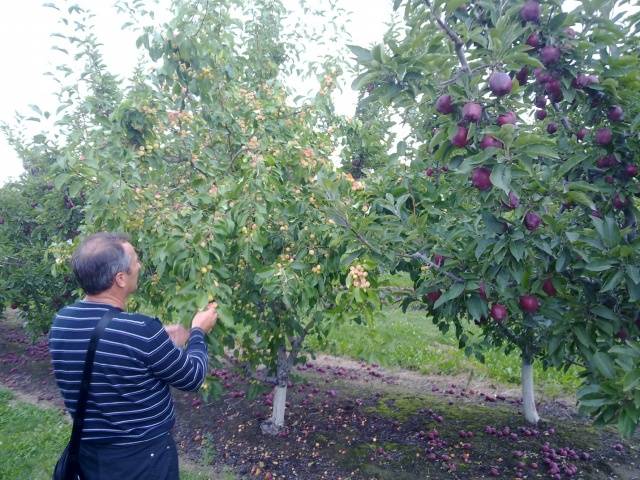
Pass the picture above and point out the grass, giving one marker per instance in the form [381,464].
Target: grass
[32,438]
[411,341]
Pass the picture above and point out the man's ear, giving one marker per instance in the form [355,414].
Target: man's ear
[120,280]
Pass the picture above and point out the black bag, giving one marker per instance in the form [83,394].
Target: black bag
[68,466]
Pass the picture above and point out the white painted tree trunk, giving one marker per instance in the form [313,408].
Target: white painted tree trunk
[528,394]
[279,406]
[274,425]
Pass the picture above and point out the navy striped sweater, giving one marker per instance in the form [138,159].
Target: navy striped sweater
[136,362]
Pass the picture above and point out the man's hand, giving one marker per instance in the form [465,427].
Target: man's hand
[178,334]
[206,320]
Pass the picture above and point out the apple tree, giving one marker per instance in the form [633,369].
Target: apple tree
[205,162]
[515,205]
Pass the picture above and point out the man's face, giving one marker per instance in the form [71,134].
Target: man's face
[134,269]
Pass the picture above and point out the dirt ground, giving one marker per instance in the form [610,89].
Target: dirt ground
[351,420]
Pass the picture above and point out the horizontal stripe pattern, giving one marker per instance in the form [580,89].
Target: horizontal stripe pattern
[135,364]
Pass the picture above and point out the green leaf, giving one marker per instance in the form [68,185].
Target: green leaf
[583,337]
[454,292]
[363,80]
[517,250]
[557,21]
[581,198]
[613,281]
[482,246]
[451,5]
[631,380]
[634,273]
[469,162]
[362,54]
[603,363]
[599,265]
[604,312]
[571,164]
[376,52]
[493,224]
[595,402]
[476,307]
[501,177]
[520,59]
[634,290]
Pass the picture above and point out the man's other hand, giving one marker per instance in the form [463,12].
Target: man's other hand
[178,334]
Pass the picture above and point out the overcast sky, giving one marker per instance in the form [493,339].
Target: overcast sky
[25,28]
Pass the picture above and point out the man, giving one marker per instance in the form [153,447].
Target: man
[130,413]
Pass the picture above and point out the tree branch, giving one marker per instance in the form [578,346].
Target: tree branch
[345,223]
[455,38]
[459,73]
[425,260]
[564,120]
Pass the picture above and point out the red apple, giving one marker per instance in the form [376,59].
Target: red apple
[529,303]
[459,139]
[540,101]
[444,104]
[616,114]
[631,170]
[530,11]
[523,75]
[481,178]
[583,80]
[541,114]
[507,118]
[434,296]
[489,141]
[554,89]
[514,201]
[580,134]
[472,112]
[500,83]
[604,136]
[619,203]
[549,54]
[438,260]
[607,161]
[552,128]
[548,287]
[622,334]
[542,76]
[533,40]
[498,312]
[532,221]
[482,291]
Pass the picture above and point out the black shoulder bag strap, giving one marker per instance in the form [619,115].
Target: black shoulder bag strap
[81,407]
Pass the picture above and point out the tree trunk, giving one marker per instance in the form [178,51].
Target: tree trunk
[528,397]
[275,424]
[279,405]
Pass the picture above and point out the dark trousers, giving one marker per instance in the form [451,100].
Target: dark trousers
[154,460]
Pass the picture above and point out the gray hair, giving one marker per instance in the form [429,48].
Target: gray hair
[98,259]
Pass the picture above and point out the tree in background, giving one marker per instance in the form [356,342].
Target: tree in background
[516,206]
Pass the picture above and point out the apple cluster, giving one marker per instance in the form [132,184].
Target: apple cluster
[356,185]
[359,276]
